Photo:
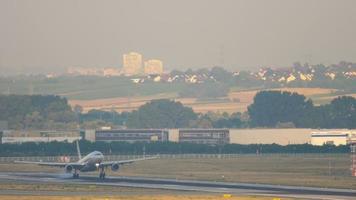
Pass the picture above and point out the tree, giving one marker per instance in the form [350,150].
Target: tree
[110,117]
[161,113]
[342,113]
[35,111]
[78,109]
[33,120]
[270,107]
[220,74]
[201,122]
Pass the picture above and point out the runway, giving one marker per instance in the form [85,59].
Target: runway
[186,185]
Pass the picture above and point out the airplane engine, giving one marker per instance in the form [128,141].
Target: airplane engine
[115,167]
[68,168]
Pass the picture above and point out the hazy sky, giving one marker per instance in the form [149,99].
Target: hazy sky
[241,34]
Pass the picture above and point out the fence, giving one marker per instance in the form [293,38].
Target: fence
[115,157]
[162,156]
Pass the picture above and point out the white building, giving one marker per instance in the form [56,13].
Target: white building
[153,66]
[270,136]
[333,137]
[110,71]
[132,64]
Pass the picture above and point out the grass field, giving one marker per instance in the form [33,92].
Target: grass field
[138,197]
[73,188]
[236,101]
[320,170]
[78,189]
[122,95]
[303,170]
[132,103]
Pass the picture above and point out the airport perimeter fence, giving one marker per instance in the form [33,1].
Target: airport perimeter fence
[116,157]
[161,156]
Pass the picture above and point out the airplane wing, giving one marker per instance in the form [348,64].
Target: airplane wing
[51,164]
[122,162]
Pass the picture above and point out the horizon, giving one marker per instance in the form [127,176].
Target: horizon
[66,70]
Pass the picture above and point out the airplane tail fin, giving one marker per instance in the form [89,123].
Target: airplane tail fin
[78,150]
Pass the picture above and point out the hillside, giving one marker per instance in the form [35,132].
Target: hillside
[235,101]
[204,90]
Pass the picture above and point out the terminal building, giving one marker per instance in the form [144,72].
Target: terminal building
[127,135]
[205,136]
[198,136]
[281,136]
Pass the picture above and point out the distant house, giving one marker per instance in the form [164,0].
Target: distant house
[137,80]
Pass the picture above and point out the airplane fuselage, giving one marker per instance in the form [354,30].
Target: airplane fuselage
[91,161]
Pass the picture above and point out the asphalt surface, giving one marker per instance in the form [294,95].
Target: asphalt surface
[184,185]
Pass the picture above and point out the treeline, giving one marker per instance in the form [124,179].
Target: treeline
[273,108]
[163,113]
[155,114]
[269,109]
[62,148]
[36,112]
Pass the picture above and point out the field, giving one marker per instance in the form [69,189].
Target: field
[76,189]
[236,101]
[320,170]
[139,197]
[128,103]
[304,170]
[121,94]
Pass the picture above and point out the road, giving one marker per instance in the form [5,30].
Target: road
[184,185]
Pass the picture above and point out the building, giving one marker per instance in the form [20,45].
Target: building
[21,136]
[204,136]
[153,67]
[69,139]
[352,143]
[199,136]
[129,135]
[282,136]
[285,136]
[111,72]
[352,139]
[132,64]
[85,71]
[332,137]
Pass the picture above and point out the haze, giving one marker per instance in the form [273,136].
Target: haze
[52,35]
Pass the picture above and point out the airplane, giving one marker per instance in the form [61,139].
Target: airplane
[91,162]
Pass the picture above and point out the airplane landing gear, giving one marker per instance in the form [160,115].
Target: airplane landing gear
[102,173]
[75,174]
